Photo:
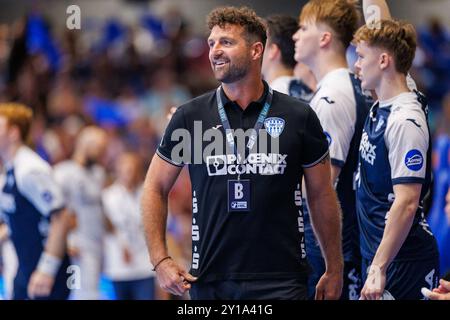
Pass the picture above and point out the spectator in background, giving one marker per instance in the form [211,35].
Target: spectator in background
[82,179]
[163,94]
[126,259]
[435,41]
[443,125]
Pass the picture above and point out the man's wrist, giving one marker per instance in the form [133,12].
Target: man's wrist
[335,267]
[49,264]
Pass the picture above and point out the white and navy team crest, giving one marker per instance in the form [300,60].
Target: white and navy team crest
[274,126]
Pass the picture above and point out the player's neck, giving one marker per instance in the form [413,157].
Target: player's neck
[391,86]
[245,90]
[10,153]
[277,72]
[326,63]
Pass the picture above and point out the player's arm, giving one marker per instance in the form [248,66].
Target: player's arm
[42,279]
[326,222]
[159,180]
[4,232]
[406,137]
[383,8]
[41,190]
[398,224]
[335,115]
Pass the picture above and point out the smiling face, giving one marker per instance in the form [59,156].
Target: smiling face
[229,53]
[369,65]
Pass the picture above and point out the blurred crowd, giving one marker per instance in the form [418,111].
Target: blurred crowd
[126,78]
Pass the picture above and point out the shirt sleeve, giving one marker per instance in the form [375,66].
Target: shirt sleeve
[43,192]
[337,117]
[174,142]
[61,179]
[315,143]
[407,141]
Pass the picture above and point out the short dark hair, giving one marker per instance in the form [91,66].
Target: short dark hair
[280,29]
[243,16]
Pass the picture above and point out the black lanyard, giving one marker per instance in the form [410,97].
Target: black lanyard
[259,122]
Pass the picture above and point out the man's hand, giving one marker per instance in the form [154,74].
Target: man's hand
[330,286]
[173,278]
[40,285]
[440,293]
[374,287]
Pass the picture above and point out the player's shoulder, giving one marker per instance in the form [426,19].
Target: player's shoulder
[28,161]
[406,107]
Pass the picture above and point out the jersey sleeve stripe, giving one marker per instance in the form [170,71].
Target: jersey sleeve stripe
[317,161]
[405,180]
[169,160]
[338,163]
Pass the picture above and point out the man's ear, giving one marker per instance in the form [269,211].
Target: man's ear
[384,60]
[257,50]
[325,39]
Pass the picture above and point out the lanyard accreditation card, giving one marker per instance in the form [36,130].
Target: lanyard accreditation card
[239,190]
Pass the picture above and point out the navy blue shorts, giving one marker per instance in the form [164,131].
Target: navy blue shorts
[405,279]
[352,278]
[275,289]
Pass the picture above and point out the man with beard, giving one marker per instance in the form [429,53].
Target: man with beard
[82,180]
[247,224]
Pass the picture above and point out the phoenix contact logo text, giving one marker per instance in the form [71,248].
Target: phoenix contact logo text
[212,148]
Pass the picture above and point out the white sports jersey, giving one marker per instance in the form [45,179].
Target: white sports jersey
[406,130]
[34,180]
[82,189]
[334,103]
[281,84]
[123,209]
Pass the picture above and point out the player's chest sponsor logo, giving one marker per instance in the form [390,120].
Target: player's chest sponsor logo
[274,126]
[255,163]
[367,149]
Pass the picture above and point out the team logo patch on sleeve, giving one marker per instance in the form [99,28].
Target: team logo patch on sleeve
[274,126]
[414,160]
